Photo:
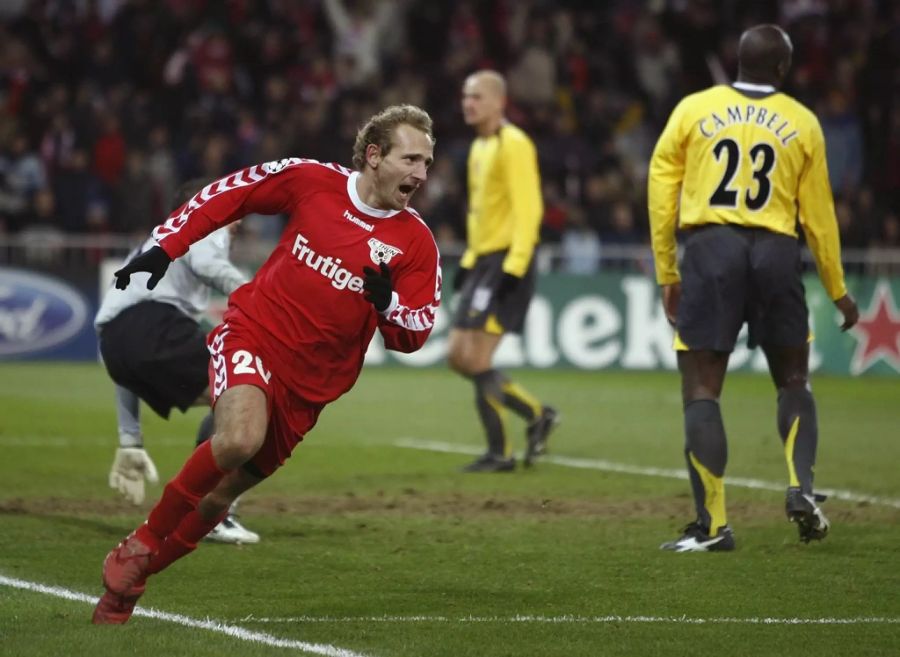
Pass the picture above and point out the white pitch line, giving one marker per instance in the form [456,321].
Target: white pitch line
[110,441]
[233,631]
[624,468]
[326,650]
[582,620]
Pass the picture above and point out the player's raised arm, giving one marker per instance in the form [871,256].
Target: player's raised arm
[264,188]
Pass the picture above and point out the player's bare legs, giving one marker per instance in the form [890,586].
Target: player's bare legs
[230,530]
[220,499]
[241,422]
[471,353]
[198,523]
[241,418]
[798,427]
[705,450]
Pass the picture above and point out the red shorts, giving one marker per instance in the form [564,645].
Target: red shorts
[234,361]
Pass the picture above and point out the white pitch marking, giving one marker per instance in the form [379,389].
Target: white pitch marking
[624,468]
[233,631]
[585,620]
[111,442]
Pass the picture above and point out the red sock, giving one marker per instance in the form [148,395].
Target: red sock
[197,477]
[183,540]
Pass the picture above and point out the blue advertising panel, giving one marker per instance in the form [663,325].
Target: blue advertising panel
[43,316]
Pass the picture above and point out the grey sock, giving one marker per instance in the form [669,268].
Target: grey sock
[797,406]
[704,439]
[489,400]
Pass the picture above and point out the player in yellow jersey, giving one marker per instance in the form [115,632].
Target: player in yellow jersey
[737,168]
[496,277]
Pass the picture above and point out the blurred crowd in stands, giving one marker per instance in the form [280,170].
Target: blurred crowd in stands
[107,105]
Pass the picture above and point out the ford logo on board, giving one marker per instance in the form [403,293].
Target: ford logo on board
[37,312]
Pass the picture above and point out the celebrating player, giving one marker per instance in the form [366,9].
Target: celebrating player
[353,258]
[737,167]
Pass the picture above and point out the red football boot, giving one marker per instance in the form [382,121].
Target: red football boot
[115,609]
[126,565]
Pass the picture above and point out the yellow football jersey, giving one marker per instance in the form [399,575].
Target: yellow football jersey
[751,158]
[505,204]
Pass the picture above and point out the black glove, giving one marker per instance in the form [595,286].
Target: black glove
[378,287]
[154,260]
[460,278]
[508,283]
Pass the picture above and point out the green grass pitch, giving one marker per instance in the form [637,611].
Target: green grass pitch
[376,549]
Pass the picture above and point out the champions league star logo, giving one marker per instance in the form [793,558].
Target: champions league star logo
[381,252]
[277,165]
[877,332]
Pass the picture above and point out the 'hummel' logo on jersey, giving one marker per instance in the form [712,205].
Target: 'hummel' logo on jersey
[359,222]
[381,252]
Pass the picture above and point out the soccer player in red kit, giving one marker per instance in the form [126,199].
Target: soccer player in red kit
[353,258]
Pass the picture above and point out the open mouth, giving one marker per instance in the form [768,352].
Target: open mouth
[406,190]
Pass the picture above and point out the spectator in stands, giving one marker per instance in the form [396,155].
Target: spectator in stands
[43,237]
[133,200]
[843,136]
[23,176]
[597,80]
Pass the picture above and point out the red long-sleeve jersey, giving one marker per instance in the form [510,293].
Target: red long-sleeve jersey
[305,306]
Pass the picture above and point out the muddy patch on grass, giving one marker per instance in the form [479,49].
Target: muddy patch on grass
[42,506]
[411,501]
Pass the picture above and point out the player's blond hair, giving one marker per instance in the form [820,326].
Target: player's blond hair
[379,130]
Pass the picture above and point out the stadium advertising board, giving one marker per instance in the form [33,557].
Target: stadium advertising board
[609,320]
[616,321]
[43,316]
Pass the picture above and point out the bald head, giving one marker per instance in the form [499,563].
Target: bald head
[484,100]
[764,55]
[490,82]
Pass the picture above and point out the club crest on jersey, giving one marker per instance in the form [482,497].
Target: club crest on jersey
[381,252]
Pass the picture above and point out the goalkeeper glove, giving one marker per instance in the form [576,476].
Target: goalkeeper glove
[129,469]
[153,260]
[378,287]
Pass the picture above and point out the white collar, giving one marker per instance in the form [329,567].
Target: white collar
[358,202]
[749,86]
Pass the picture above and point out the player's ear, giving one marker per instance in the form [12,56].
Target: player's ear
[783,67]
[373,155]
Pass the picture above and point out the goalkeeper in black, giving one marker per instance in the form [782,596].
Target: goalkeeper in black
[739,168]
[496,278]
